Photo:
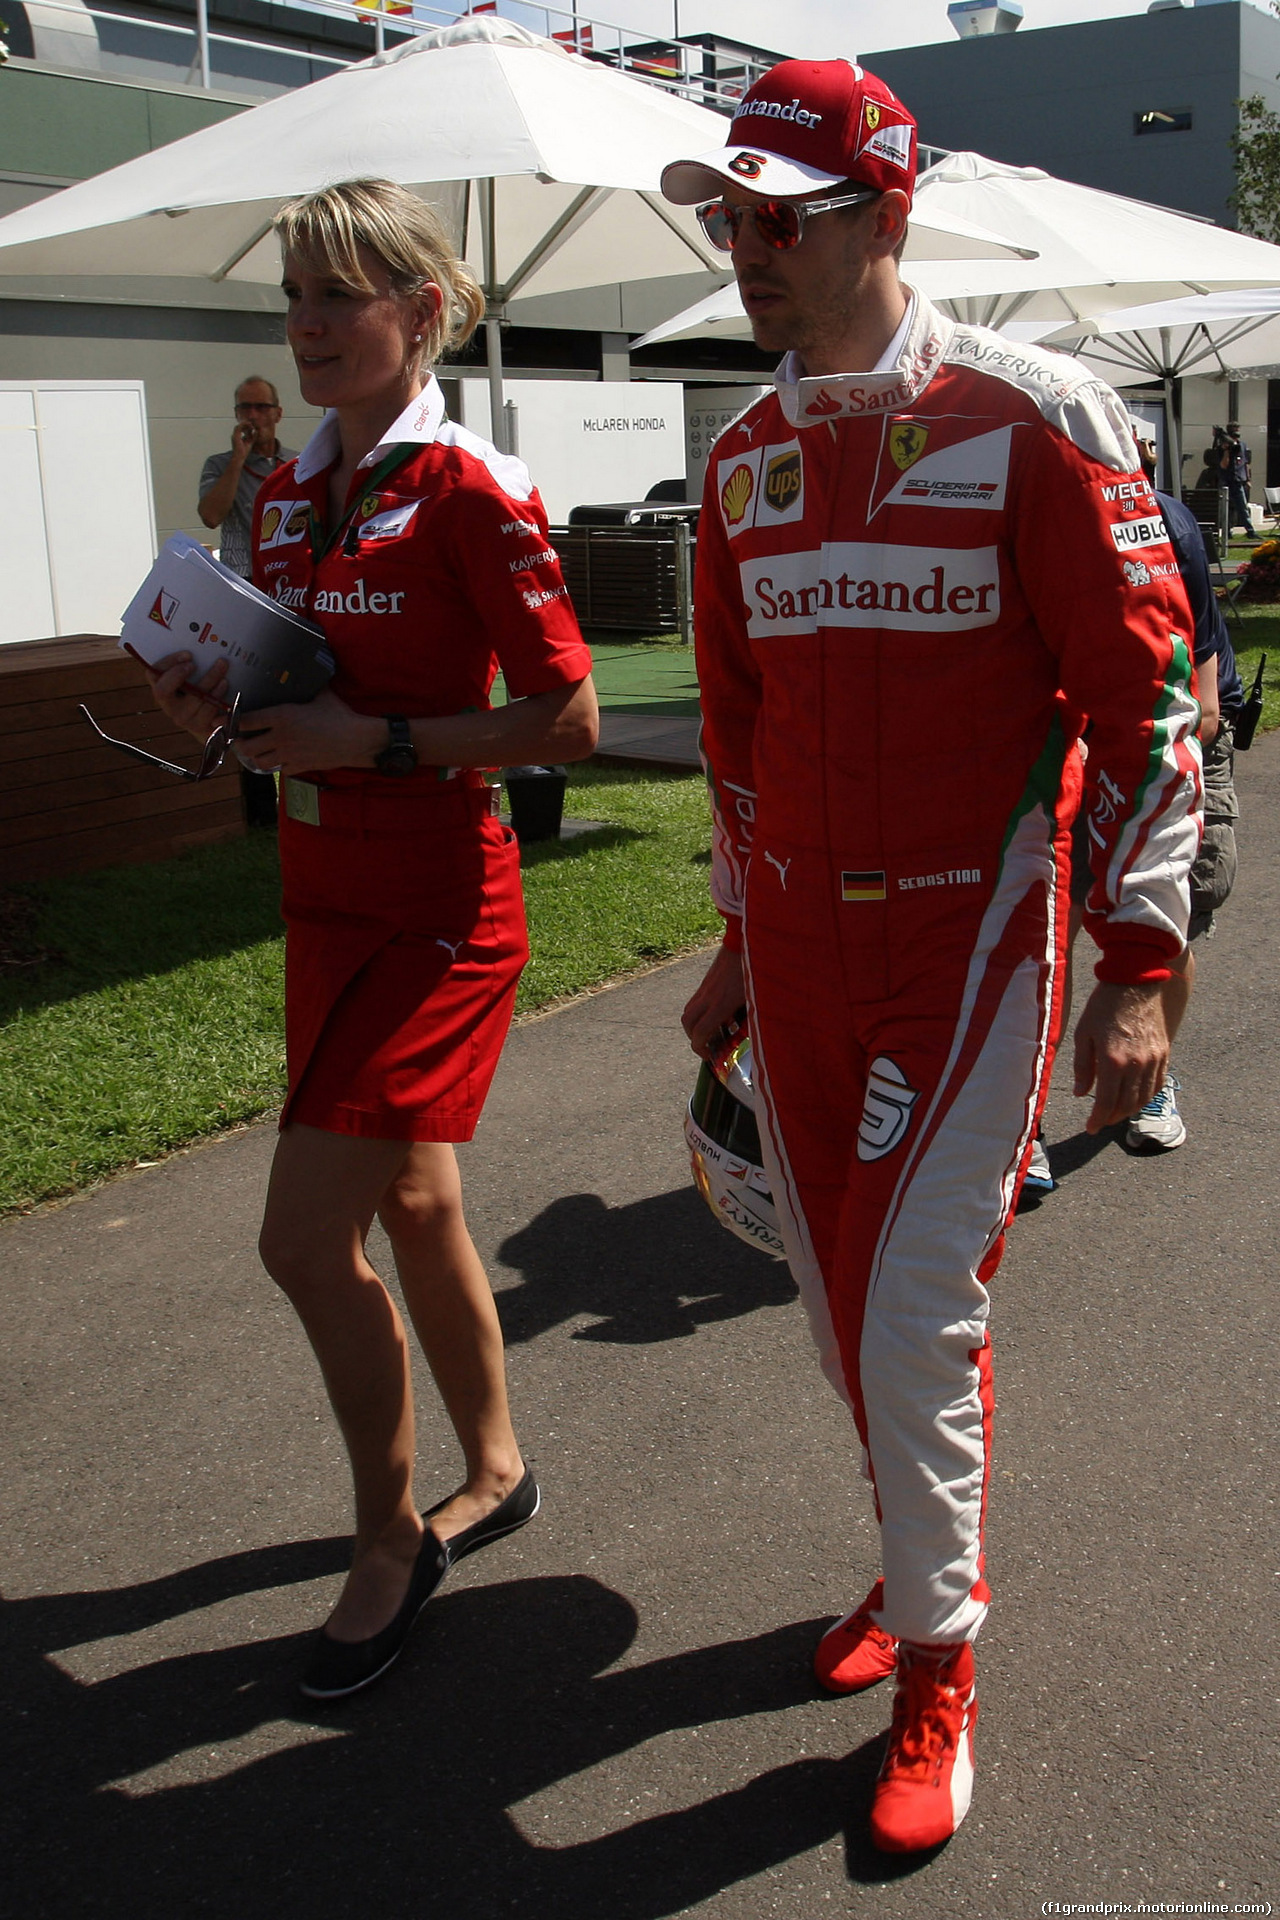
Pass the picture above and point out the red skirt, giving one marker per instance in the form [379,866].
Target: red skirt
[405,941]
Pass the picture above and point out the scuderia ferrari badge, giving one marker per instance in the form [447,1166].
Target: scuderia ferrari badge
[907,441]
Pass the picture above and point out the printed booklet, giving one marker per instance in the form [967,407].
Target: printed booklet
[190,602]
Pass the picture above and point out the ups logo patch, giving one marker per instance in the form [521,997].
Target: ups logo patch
[783,480]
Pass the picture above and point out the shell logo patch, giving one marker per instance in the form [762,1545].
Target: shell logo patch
[907,441]
[735,496]
[284,523]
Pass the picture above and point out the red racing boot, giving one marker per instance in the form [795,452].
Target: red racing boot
[926,1781]
[855,1653]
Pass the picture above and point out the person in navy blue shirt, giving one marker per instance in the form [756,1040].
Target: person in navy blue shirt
[1159,1126]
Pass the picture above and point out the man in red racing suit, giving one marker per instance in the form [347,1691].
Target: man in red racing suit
[912,584]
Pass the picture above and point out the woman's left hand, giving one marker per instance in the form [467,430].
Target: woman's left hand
[325,732]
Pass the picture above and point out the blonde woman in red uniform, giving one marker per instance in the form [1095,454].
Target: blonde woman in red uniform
[423,554]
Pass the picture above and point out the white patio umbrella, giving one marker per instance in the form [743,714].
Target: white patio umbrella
[1235,334]
[546,165]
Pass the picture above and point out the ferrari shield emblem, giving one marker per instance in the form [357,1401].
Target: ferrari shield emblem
[872,116]
[907,441]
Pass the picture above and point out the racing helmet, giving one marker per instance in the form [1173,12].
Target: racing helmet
[724,1143]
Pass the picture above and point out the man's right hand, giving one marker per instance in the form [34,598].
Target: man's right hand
[718,999]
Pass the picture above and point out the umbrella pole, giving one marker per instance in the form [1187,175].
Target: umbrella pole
[494,306]
[1172,443]
[497,413]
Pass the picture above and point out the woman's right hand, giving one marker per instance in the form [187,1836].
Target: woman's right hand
[195,707]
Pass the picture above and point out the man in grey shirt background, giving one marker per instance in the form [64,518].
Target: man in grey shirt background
[229,485]
[229,481]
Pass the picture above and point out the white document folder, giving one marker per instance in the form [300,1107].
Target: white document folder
[190,602]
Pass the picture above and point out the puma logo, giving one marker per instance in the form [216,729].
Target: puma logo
[451,946]
[781,865]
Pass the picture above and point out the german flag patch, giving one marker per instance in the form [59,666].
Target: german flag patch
[862,886]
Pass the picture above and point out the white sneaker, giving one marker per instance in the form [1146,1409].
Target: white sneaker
[1038,1177]
[1159,1127]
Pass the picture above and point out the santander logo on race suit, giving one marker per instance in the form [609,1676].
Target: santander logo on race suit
[850,583]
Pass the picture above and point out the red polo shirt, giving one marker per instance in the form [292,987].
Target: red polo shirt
[440,572]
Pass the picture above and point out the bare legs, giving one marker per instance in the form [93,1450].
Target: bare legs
[325,1190]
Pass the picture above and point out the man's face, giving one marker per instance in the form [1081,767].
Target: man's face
[806,297]
[256,408]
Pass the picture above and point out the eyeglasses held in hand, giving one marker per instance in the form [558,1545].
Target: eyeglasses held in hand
[212,757]
[779,223]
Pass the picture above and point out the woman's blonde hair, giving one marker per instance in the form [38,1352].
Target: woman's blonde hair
[324,232]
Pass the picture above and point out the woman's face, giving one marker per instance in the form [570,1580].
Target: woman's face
[354,348]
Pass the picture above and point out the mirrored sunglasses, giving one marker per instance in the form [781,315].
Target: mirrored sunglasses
[212,757]
[779,223]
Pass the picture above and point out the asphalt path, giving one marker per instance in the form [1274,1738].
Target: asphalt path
[610,1714]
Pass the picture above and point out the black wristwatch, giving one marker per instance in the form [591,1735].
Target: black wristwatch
[399,756]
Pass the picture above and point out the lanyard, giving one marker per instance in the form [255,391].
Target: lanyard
[322,544]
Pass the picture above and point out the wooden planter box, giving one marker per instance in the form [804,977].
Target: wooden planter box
[68,803]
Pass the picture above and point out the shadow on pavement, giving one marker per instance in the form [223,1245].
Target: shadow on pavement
[656,1270]
[1069,1156]
[405,1802]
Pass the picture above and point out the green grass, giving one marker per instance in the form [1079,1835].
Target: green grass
[1259,634]
[142,1007]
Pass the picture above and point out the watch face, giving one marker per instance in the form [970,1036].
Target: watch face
[400,758]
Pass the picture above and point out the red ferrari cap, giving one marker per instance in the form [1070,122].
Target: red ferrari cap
[805,124]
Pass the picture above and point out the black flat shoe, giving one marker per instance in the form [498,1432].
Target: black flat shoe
[515,1511]
[340,1667]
